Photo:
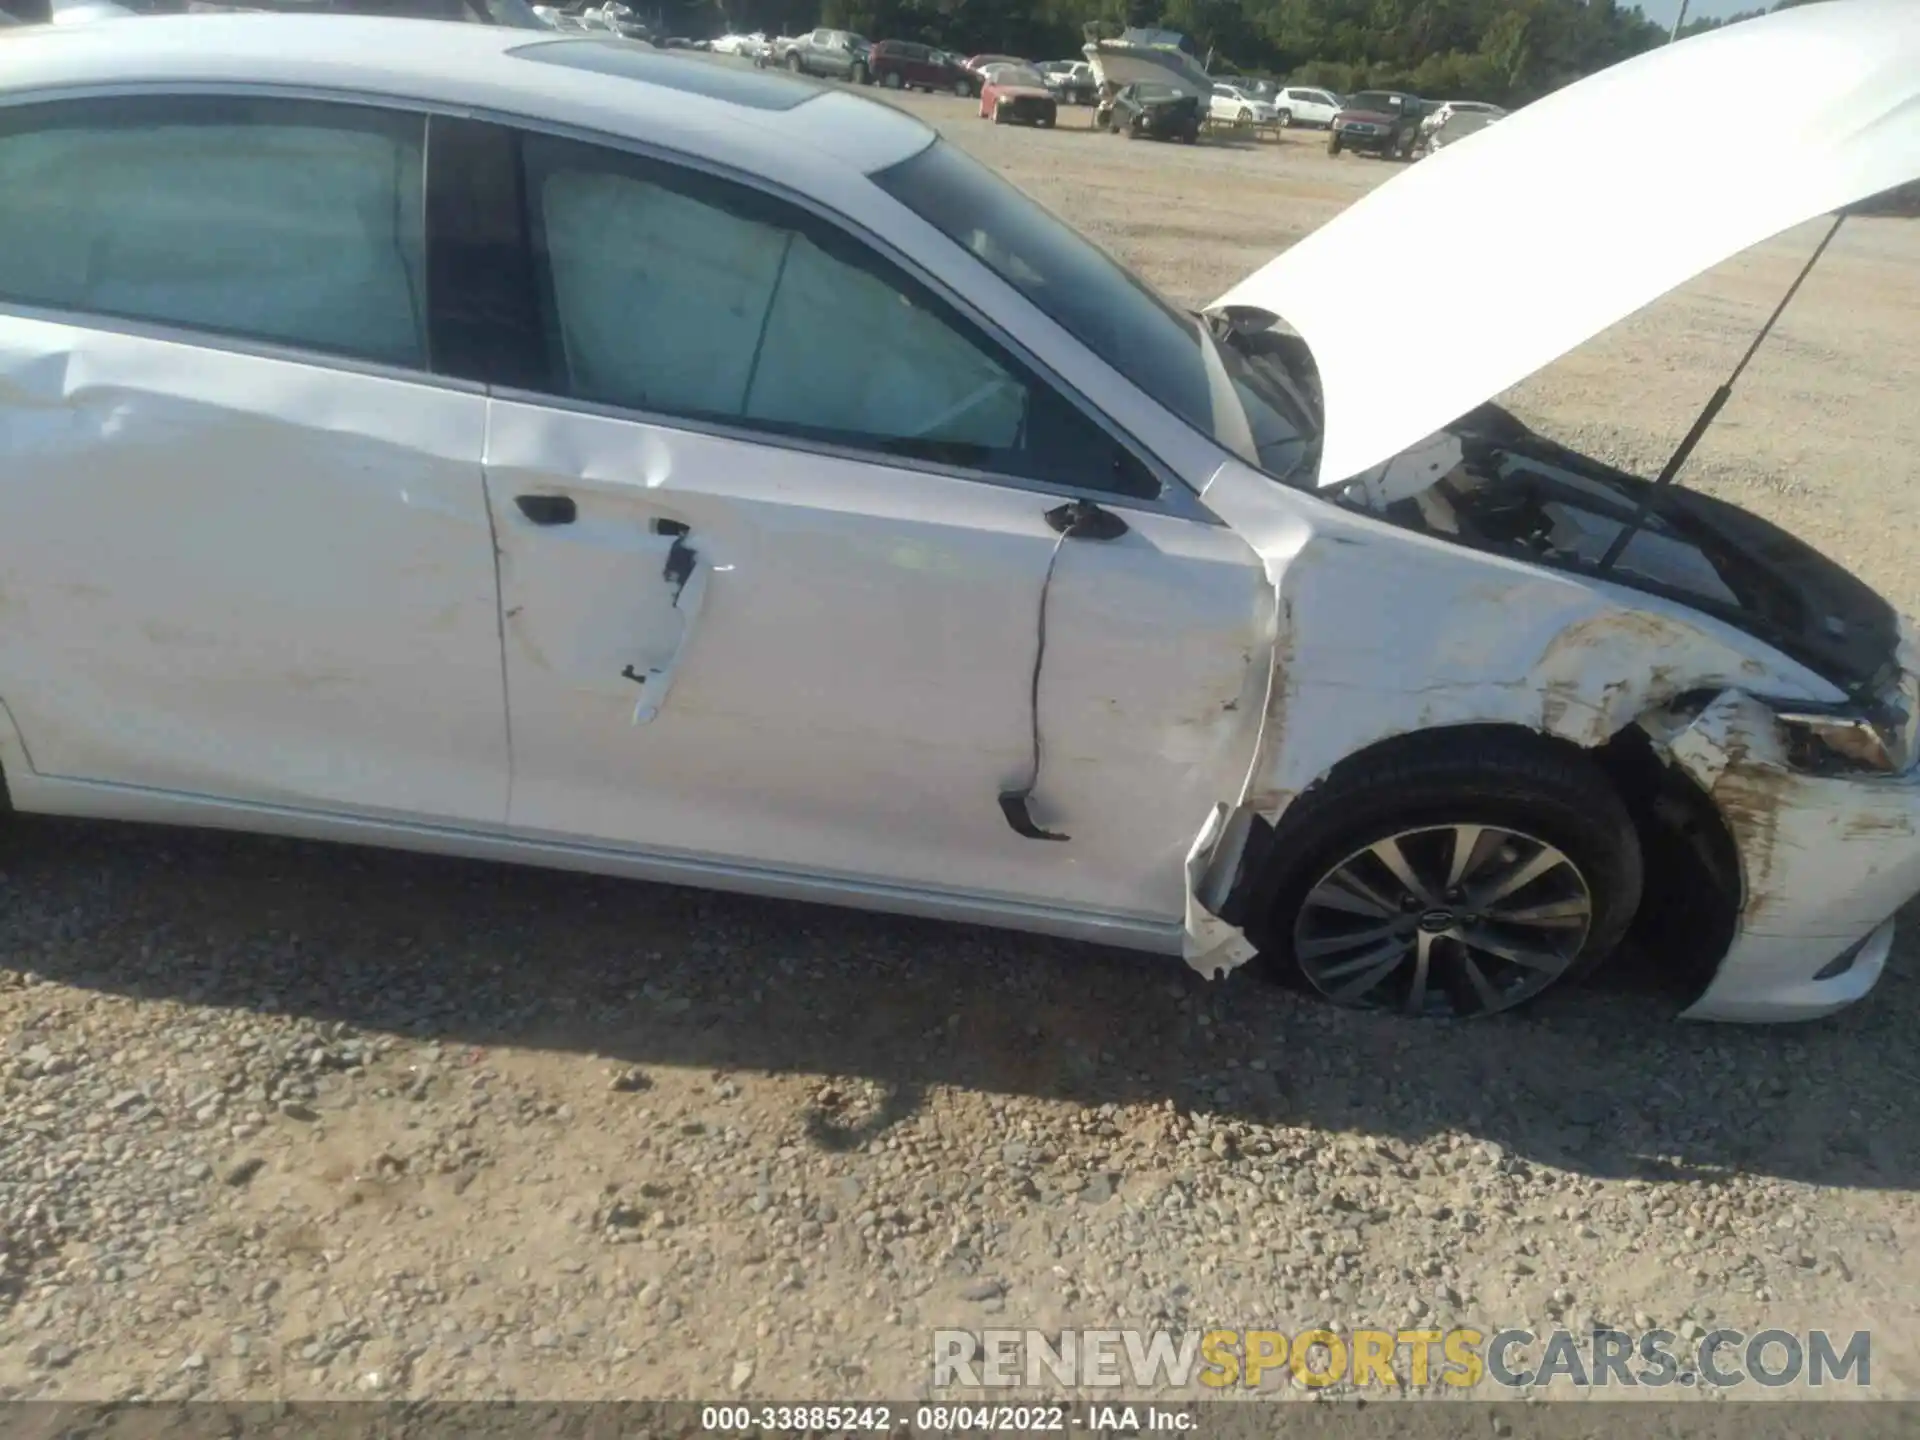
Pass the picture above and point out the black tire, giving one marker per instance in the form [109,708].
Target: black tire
[1333,144]
[859,75]
[1416,788]
[891,80]
[796,65]
[962,89]
[1283,118]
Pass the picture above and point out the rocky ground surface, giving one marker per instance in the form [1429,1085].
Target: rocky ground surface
[285,1120]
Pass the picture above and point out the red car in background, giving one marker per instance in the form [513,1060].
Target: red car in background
[1016,93]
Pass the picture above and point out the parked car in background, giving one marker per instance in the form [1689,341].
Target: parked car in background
[1447,109]
[1235,105]
[1152,110]
[615,17]
[1071,81]
[976,65]
[1016,94]
[905,65]
[739,44]
[1378,122]
[1306,106]
[830,54]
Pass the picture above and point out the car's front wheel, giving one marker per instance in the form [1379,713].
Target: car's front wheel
[794,64]
[891,80]
[1453,875]
[1283,118]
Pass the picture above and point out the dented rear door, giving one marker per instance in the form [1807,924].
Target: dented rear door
[244,545]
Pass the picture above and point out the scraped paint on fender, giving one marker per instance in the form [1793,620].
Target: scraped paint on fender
[1360,606]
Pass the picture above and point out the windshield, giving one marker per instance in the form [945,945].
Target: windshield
[1378,101]
[1169,354]
[1015,75]
[1151,90]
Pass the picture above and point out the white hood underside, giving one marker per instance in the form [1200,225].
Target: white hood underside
[1508,249]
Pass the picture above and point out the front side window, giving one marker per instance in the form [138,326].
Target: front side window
[294,222]
[684,295]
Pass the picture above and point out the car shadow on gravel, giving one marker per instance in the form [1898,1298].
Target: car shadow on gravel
[1600,1081]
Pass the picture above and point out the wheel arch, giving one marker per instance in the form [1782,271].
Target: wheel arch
[1693,890]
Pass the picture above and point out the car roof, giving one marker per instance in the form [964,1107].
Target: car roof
[765,123]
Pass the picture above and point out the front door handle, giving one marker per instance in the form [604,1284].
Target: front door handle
[548,509]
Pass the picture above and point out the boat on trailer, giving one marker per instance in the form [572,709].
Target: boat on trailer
[1139,56]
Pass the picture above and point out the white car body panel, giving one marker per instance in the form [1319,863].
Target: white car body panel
[40,795]
[1827,862]
[1656,196]
[1499,641]
[1201,672]
[321,630]
[853,695]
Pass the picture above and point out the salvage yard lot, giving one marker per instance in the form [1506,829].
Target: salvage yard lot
[299,1121]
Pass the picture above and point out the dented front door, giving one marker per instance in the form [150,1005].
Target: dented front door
[759,655]
[765,657]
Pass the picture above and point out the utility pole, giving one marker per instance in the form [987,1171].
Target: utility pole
[1678,21]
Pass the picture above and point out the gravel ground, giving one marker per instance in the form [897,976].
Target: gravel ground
[294,1121]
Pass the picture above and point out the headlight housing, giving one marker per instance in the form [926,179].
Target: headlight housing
[1883,738]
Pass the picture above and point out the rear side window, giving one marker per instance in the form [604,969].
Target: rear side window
[295,222]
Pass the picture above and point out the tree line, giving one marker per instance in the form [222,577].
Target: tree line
[1505,51]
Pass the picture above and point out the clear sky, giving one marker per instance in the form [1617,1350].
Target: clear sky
[1663,11]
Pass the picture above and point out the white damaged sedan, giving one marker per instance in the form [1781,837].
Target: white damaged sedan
[545,449]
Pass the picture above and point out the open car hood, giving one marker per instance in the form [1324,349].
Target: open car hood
[1510,248]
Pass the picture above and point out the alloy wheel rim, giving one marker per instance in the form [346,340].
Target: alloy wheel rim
[1444,920]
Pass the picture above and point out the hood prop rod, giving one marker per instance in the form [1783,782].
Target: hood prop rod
[1714,406]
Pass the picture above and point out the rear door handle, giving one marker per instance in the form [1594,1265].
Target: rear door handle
[548,509]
